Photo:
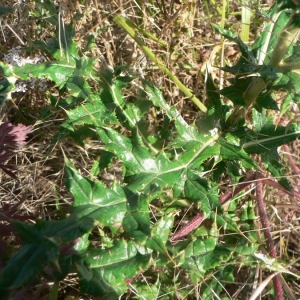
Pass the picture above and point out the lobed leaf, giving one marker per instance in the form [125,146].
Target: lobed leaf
[104,272]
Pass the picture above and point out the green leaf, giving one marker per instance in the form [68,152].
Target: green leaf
[135,157]
[128,110]
[146,172]
[65,73]
[104,272]
[198,248]
[6,87]
[214,102]
[213,259]
[148,292]
[272,163]
[198,189]
[94,113]
[137,220]
[260,119]
[289,82]
[286,103]
[235,152]
[41,249]
[232,36]
[267,40]
[160,234]
[25,266]
[287,4]
[270,137]
[185,131]
[235,92]
[47,8]
[59,72]
[94,200]
[265,100]
[246,249]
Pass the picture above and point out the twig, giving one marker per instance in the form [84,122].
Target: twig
[17,36]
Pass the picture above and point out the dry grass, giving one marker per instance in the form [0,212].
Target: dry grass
[191,43]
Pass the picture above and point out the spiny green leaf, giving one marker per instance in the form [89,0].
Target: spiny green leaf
[214,102]
[270,137]
[59,72]
[272,163]
[41,250]
[150,172]
[25,266]
[235,152]
[94,113]
[94,200]
[260,119]
[137,159]
[200,246]
[138,216]
[185,131]
[148,292]
[232,36]
[160,234]
[235,92]
[265,100]
[104,272]
[198,189]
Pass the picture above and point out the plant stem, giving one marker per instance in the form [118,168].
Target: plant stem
[280,187]
[189,227]
[294,167]
[240,187]
[286,37]
[130,29]
[54,292]
[267,233]
[246,17]
[196,221]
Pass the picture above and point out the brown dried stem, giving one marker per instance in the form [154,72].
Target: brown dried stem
[240,187]
[294,167]
[196,221]
[189,227]
[267,233]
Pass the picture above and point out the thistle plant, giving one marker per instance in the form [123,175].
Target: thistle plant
[167,218]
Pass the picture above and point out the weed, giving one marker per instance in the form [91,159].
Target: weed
[163,228]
